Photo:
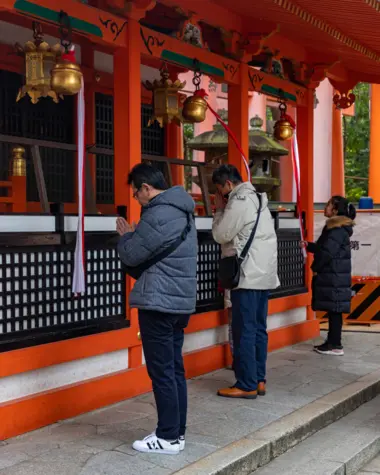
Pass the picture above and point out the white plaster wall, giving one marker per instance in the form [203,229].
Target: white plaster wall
[32,382]
[323,143]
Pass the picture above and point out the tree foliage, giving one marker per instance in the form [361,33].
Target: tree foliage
[356,145]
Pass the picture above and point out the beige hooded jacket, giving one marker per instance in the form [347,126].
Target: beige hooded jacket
[232,227]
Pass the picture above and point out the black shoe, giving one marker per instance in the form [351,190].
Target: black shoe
[329,349]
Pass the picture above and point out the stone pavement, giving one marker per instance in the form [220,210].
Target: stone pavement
[99,443]
[373,468]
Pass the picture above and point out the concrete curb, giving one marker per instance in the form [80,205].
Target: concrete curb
[260,447]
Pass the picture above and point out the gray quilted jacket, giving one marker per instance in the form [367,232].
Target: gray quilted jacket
[169,286]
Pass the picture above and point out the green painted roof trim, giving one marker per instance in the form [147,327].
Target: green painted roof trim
[189,63]
[280,93]
[51,15]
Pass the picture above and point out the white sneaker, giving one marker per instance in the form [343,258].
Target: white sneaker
[182,442]
[152,444]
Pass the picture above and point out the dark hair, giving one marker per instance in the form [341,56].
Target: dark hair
[226,173]
[146,173]
[343,207]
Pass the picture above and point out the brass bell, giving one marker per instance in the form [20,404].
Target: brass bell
[194,109]
[17,162]
[66,78]
[138,335]
[283,130]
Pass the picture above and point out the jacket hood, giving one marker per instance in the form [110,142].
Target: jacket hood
[175,196]
[340,222]
[245,189]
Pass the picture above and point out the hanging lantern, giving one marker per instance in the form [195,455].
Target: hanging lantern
[39,61]
[284,127]
[165,98]
[17,162]
[195,107]
[66,76]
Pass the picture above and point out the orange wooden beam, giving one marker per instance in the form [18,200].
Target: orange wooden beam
[100,26]
[374,146]
[274,86]
[166,48]
[337,158]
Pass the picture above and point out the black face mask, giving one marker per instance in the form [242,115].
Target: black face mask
[227,195]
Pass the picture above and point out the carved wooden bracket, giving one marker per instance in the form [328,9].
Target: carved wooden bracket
[135,9]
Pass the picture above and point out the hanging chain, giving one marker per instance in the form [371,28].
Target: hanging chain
[197,80]
[37,32]
[282,108]
[65,30]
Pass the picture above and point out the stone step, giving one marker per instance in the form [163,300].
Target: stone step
[342,448]
[261,447]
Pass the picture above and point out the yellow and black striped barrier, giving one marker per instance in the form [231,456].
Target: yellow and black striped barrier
[365,302]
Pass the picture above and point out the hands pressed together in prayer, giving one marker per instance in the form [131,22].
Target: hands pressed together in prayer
[123,227]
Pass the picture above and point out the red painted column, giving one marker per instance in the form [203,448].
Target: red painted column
[305,135]
[374,157]
[238,106]
[337,156]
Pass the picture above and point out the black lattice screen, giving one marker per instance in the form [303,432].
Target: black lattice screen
[208,295]
[35,290]
[152,143]
[44,121]
[291,269]
[105,188]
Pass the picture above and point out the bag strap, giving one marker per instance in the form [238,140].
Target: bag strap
[251,237]
[162,255]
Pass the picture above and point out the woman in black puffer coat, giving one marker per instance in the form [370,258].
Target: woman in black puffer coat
[331,284]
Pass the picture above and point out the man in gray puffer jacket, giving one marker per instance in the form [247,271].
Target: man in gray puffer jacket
[165,296]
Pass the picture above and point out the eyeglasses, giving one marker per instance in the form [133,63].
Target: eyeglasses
[135,194]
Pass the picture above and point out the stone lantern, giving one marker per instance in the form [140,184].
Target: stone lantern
[263,149]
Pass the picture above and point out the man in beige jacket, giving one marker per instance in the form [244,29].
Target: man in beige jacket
[237,206]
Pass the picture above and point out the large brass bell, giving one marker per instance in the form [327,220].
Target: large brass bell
[284,127]
[66,78]
[283,130]
[194,109]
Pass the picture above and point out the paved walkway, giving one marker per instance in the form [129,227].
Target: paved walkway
[373,468]
[99,443]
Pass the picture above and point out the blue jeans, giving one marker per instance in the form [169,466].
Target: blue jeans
[249,330]
[162,336]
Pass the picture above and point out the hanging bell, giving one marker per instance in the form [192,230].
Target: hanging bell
[194,109]
[284,127]
[66,76]
[283,130]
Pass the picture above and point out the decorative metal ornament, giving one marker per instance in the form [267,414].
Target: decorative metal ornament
[344,100]
[66,76]
[165,98]
[17,162]
[195,107]
[39,61]
[284,127]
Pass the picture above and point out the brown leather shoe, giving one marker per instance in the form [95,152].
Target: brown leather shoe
[237,393]
[261,391]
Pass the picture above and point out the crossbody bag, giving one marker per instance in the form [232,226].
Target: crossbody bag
[230,267]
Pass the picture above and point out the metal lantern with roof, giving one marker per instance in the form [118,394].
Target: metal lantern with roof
[39,61]
[165,98]
[263,150]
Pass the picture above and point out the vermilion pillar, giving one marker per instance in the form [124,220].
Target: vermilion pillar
[238,120]
[127,141]
[374,156]
[337,156]
[305,135]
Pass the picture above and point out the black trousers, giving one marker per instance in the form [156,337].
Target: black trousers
[334,336]
[162,336]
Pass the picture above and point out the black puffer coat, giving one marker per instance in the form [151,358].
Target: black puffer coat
[332,266]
